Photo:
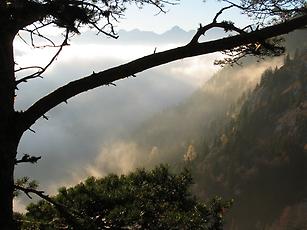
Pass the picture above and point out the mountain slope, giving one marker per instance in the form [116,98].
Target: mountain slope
[260,157]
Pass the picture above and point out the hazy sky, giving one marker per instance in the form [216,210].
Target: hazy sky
[188,14]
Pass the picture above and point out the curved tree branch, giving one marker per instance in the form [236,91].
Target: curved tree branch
[106,77]
[227,26]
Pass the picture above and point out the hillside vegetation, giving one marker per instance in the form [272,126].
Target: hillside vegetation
[260,156]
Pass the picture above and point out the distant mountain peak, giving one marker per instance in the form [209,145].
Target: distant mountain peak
[175,29]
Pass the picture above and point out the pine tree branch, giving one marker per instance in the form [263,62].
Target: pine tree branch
[60,207]
[192,49]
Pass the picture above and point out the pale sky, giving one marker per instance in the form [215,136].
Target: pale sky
[187,15]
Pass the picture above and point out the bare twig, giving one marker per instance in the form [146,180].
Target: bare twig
[29,67]
[43,69]
[226,25]
[221,11]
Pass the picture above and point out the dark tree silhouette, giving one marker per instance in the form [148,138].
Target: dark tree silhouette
[273,18]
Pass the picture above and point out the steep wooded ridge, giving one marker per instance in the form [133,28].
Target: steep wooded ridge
[260,157]
[254,151]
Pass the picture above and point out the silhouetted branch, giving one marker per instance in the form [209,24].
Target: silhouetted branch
[36,33]
[60,207]
[221,11]
[265,10]
[160,7]
[29,67]
[28,159]
[43,69]
[112,34]
[106,77]
[33,131]
[27,192]
[226,25]
[260,49]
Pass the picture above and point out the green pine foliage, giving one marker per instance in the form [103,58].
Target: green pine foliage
[155,199]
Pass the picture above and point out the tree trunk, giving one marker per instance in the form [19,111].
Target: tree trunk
[7,159]
[8,133]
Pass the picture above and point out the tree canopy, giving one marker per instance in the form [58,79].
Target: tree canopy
[155,199]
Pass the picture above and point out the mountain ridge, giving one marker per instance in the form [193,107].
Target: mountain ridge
[260,155]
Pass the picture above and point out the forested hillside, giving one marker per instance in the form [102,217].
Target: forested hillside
[259,158]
